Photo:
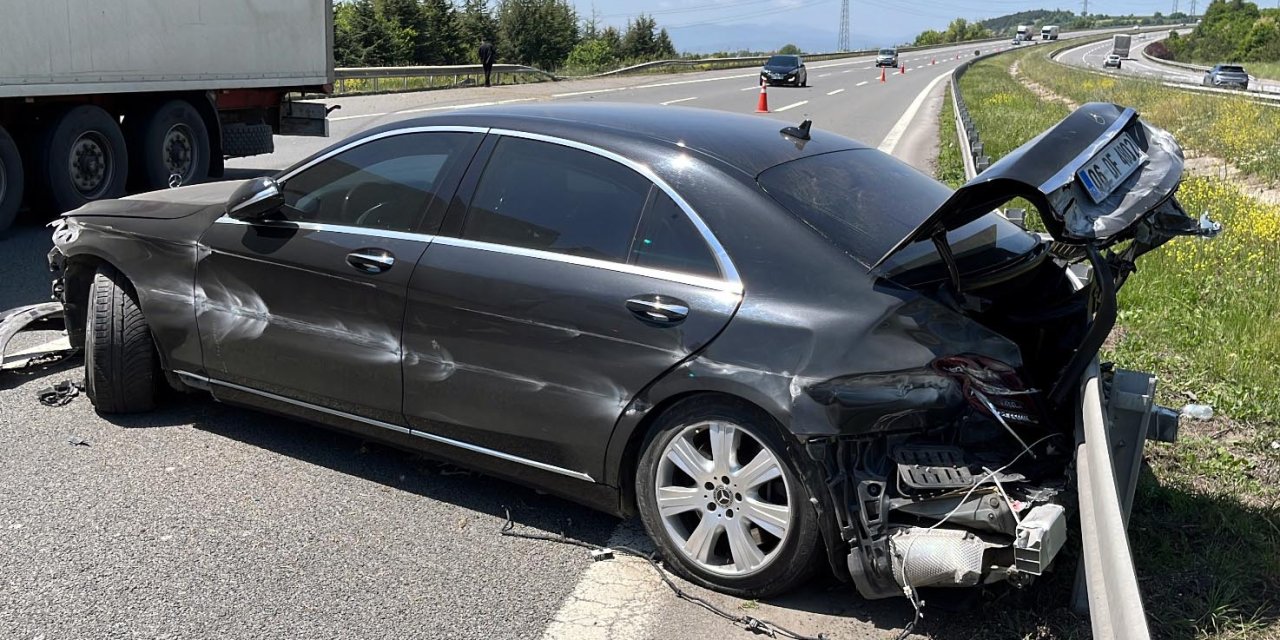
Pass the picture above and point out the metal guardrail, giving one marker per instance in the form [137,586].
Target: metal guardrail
[1116,417]
[361,80]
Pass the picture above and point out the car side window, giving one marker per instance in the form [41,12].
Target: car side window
[668,241]
[382,184]
[545,196]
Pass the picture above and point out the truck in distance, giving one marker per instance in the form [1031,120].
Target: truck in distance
[1049,32]
[1120,44]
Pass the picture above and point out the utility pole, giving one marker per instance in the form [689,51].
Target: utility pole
[844,45]
[1086,9]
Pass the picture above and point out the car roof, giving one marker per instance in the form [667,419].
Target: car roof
[749,143]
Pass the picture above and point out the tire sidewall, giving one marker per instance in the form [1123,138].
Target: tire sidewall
[149,149]
[65,129]
[12,180]
[794,561]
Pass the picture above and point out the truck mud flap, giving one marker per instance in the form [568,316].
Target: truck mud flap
[46,316]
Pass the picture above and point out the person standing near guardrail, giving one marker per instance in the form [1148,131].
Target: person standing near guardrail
[488,53]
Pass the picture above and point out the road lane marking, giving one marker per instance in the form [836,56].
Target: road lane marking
[848,71]
[890,141]
[362,115]
[832,93]
[862,83]
[823,75]
[678,100]
[443,107]
[755,88]
[582,93]
[792,105]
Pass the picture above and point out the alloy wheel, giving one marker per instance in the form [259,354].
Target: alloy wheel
[723,498]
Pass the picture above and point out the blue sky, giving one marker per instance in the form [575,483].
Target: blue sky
[708,25]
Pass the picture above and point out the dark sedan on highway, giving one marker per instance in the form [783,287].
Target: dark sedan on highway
[784,69]
[783,349]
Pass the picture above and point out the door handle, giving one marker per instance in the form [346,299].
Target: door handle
[658,309]
[371,260]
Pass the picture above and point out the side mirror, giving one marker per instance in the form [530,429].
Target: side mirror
[254,199]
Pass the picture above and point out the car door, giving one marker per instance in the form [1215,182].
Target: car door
[571,282]
[308,306]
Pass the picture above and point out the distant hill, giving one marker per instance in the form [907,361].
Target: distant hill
[1037,17]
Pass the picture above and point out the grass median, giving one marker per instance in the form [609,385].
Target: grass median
[1205,317]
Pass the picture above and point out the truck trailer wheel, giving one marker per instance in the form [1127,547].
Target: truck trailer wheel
[120,363]
[82,157]
[170,141]
[10,180]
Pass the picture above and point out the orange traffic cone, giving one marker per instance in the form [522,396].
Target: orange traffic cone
[902,70]
[762,106]
[881,74]
[934,61]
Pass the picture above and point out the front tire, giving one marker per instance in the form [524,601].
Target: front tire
[723,502]
[120,363]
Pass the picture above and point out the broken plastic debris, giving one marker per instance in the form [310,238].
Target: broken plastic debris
[602,554]
[77,442]
[1197,411]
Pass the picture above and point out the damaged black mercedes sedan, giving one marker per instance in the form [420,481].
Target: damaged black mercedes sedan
[782,349]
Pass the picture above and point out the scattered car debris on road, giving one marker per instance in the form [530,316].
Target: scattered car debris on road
[59,395]
[77,442]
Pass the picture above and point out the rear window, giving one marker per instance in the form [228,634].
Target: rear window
[1231,69]
[864,202]
[783,61]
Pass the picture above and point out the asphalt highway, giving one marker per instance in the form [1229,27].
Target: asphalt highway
[202,520]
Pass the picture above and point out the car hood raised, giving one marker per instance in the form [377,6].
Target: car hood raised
[1043,171]
[166,204]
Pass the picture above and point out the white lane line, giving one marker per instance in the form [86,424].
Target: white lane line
[581,93]
[362,115]
[823,75]
[679,100]
[672,84]
[793,105]
[862,83]
[756,88]
[444,107]
[848,71]
[832,93]
[890,141]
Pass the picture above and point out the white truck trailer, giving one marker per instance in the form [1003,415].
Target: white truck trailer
[99,97]
[1120,44]
[1049,32]
[1023,33]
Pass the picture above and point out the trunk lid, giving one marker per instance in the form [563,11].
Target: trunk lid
[1136,177]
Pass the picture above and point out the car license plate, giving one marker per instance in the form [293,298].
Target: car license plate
[1105,171]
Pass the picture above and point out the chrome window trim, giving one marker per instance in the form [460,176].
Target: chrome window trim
[727,269]
[385,134]
[578,475]
[714,284]
[335,228]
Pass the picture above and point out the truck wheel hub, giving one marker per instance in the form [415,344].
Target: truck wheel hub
[89,163]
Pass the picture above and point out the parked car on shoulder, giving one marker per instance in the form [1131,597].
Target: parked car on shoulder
[784,69]
[1231,76]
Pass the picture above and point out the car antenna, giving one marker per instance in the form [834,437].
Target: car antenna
[801,132]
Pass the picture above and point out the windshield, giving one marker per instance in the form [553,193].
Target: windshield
[864,202]
[783,61]
[886,52]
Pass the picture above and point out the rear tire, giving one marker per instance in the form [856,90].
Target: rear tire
[771,520]
[172,140]
[120,363]
[11,180]
[83,157]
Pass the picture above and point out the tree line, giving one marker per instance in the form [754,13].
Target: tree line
[547,34]
[1230,31]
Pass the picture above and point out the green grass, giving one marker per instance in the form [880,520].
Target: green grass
[950,166]
[1205,317]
